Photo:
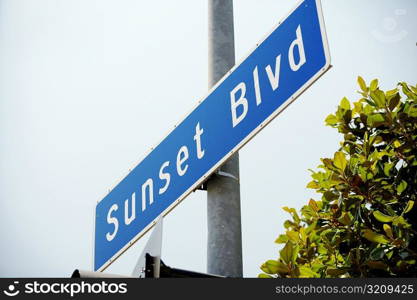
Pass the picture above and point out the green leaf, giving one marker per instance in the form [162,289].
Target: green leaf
[379,98]
[288,224]
[387,169]
[377,253]
[321,249]
[306,272]
[382,217]
[397,144]
[374,85]
[374,237]
[287,252]
[293,236]
[289,210]
[308,212]
[340,160]
[313,204]
[317,266]
[409,206]
[345,104]
[345,219]
[362,84]
[264,268]
[329,196]
[282,239]
[313,185]
[400,221]
[293,213]
[331,120]
[407,91]
[273,266]
[391,93]
[303,234]
[282,268]
[327,163]
[375,120]
[388,231]
[401,187]
[357,107]
[295,251]
[412,112]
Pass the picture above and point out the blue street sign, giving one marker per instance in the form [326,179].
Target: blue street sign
[254,92]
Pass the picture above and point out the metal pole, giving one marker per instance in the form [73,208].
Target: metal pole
[224,241]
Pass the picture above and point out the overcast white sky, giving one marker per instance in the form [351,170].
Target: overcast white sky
[88,86]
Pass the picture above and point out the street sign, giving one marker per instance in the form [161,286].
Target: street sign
[244,101]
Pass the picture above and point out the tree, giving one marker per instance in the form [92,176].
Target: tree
[365,223]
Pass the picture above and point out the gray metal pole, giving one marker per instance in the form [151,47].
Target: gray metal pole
[224,241]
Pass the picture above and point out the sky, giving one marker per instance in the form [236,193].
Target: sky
[87,87]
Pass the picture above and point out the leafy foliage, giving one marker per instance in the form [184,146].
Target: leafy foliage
[365,223]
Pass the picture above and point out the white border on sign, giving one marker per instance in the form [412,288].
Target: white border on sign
[237,147]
